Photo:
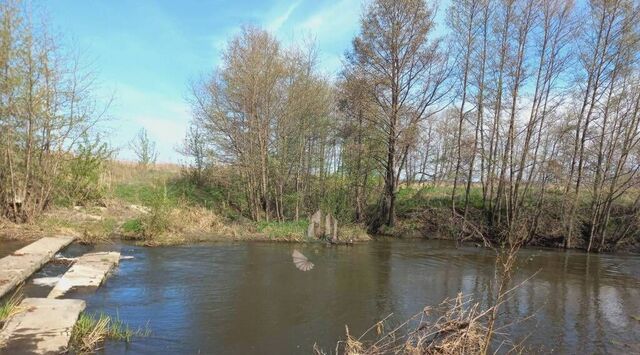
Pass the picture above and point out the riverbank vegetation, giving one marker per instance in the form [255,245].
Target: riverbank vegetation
[156,205]
[92,330]
[524,112]
[515,123]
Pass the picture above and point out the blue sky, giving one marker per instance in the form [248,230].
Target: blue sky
[145,52]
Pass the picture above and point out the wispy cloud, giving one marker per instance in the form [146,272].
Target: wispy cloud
[334,19]
[333,27]
[275,24]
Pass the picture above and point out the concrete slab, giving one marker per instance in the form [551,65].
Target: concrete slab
[87,272]
[43,327]
[18,266]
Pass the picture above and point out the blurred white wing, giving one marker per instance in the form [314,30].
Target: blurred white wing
[301,261]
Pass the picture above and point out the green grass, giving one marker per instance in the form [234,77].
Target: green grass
[415,199]
[204,196]
[10,306]
[135,193]
[133,226]
[108,225]
[284,230]
[178,189]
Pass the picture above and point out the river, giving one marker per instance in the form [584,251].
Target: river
[249,298]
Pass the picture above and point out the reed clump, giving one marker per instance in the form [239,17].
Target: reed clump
[11,306]
[92,330]
[456,326]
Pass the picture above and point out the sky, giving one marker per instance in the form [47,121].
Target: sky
[144,53]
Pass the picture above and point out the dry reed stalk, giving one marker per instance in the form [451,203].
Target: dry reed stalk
[456,326]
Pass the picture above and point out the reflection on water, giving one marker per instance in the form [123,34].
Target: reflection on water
[9,246]
[250,298]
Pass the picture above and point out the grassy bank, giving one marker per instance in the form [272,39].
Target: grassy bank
[156,206]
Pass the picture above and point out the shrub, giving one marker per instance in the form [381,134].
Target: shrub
[157,220]
[133,227]
[81,184]
[284,230]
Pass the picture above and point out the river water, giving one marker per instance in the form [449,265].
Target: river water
[249,298]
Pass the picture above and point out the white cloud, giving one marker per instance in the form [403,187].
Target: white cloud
[168,133]
[275,24]
[158,105]
[331,26]
[336,19]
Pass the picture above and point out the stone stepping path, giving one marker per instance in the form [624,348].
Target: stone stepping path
[42,327]
[87,272]
[17,267]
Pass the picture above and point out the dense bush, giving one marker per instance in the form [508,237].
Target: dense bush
[82,179]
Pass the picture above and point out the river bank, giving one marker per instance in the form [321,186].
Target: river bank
[425,211]
[181,225]
[161,206]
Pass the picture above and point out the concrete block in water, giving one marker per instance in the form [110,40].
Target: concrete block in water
[315,229]
[42,327]
[17,267]
[87,272]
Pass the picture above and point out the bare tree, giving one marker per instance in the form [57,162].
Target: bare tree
[532,107]
[266,112]
[47,106]
[612,26]
[407,69]
[195,149]
[144,149]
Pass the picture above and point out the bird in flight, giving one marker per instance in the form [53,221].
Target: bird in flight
[301,261]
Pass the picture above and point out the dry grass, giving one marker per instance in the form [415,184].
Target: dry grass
[456,326]
[88,224]
[189,224]
[91,331]
[19,231]
[353,232]
[189,220]
[126,171]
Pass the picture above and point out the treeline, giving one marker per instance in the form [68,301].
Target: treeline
[48,148]
[531,104]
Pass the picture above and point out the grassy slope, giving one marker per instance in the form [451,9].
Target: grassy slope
[156,207]
[196,212]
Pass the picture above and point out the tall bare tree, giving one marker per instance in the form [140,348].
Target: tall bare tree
[395,51]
